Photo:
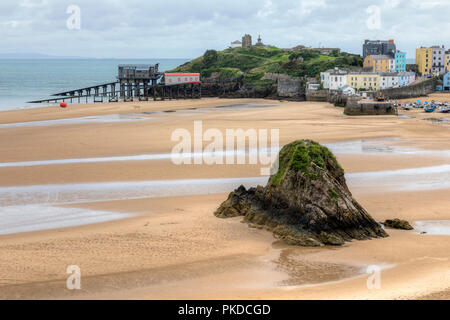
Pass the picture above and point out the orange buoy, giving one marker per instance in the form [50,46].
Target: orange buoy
[63,104]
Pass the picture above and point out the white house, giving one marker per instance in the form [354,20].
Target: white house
[325,79]
[388,80]
[348,91]
[236,44]
[391,65]
[438,64]
[333,79]
[412,77]
[337,80]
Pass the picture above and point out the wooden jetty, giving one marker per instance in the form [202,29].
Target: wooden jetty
[135,81]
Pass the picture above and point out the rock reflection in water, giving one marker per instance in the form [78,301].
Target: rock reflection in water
[303,271]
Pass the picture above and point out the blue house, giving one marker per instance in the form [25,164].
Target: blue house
[403,79]
[446,84]
[400,61]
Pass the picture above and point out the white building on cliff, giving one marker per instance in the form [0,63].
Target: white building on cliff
[236,44]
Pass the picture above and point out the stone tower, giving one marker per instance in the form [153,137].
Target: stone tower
[246,41]
[259,43]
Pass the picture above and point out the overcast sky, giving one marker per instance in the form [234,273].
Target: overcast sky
[185,29]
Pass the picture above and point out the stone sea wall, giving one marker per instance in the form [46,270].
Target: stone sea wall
[318,95]
[289,88]
[420,89]
[357,107]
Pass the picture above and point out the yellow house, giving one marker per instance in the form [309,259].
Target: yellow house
[424,60]
[379,63]
[364,81]
[447,61]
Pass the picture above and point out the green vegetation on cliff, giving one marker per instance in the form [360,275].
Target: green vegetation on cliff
[251,64]
[300,155]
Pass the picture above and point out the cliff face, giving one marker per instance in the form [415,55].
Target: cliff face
[307,202]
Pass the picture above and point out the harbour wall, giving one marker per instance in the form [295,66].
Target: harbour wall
[416,90]
[357,107]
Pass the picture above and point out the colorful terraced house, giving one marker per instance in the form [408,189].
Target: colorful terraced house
[379,63]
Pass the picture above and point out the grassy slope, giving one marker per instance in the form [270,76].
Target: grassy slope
[252,63]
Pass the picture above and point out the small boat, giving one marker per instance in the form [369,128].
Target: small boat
[406,106]
[444,109]
[429,108]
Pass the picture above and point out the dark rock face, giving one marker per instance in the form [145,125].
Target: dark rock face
[307,202]
[398,224]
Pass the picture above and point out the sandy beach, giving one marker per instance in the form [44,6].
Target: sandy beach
[146,226]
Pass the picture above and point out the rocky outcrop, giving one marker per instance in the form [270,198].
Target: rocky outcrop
[398,224]
[270,86]
[307,202]
[218,89]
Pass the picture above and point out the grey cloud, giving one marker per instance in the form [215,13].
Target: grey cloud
[132,28]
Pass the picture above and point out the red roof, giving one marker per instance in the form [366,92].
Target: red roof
[181,74]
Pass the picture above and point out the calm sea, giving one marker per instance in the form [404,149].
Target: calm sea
[24,80]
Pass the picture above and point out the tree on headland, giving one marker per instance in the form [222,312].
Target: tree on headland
[210,57]
[334,53]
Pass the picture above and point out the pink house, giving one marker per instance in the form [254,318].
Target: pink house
[412,77]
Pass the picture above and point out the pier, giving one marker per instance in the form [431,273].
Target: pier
[140,82]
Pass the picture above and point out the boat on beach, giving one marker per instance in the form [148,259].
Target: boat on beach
[430,108]
[444,109]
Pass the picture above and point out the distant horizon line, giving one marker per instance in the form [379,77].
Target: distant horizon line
[86,58]
[43,56]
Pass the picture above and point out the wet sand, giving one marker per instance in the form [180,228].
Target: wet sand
[172,246]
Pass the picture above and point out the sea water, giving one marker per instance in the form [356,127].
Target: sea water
[23,80]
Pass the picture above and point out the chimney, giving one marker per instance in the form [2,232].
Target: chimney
[391,41]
